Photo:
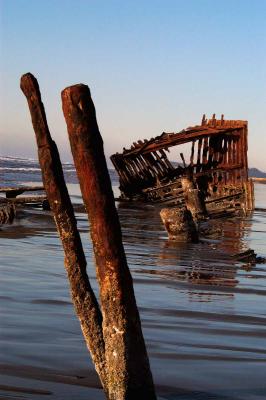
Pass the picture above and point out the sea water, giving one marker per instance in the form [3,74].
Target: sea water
[203,313]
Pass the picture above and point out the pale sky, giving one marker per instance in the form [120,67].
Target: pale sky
[152,66]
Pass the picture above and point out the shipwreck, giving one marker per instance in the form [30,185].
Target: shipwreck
[216,166]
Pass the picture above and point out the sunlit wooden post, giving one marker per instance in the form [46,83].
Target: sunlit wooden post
[129,375]
[83,297]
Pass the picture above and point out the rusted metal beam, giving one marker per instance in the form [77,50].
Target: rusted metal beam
[129,375]
[245,152]
[193,198]
[228,168]
[183,160]
[218,157]
[182,137]
[82,294]
[205,152]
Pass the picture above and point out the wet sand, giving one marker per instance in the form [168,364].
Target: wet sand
[203,313]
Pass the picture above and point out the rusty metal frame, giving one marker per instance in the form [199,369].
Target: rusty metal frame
[218,162]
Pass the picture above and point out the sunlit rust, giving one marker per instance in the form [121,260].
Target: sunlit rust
[129,375]
[83,296]
[218,165]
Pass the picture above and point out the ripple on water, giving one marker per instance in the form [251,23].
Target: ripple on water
[203,313]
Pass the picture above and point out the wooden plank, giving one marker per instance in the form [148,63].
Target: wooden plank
[198,167]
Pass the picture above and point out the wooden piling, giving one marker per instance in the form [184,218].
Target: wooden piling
[83,296]
[129,375]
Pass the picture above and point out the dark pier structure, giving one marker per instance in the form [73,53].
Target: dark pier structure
[217,166]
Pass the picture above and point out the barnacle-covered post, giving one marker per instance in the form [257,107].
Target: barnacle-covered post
[7,211]
[129,375]
[179,224]
[83,296]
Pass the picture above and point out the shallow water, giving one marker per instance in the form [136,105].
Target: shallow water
[203,314]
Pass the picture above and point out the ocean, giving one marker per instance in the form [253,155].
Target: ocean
[203,313]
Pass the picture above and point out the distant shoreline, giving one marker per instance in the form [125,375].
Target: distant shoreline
[259,180]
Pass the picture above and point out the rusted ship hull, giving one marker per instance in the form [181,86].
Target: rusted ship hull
[217,166]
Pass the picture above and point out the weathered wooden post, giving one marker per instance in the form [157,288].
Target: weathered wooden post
[128,370]
[83,297]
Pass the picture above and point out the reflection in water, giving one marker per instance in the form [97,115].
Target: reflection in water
[209,262]
[202,311]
